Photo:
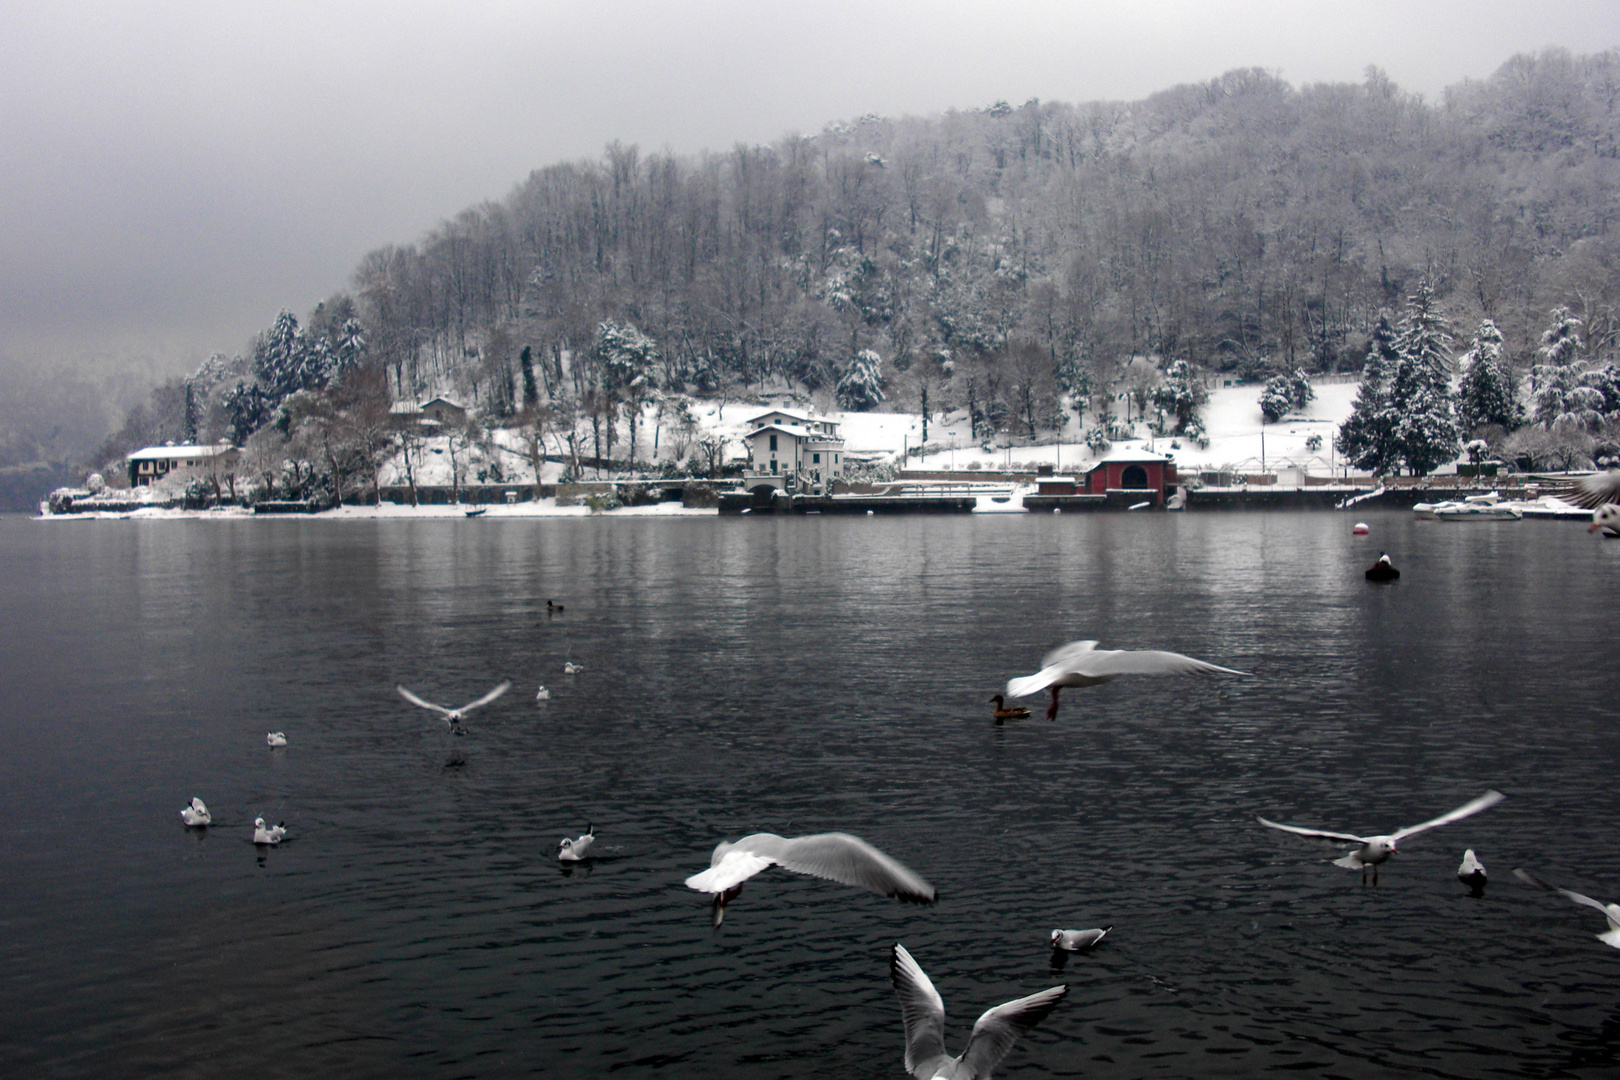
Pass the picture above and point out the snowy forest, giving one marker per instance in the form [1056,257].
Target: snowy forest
[1015,261]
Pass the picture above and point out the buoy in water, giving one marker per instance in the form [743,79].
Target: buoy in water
[1360,529]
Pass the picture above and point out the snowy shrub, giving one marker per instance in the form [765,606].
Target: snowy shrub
[1097,440]
[606,500]
[1314,442]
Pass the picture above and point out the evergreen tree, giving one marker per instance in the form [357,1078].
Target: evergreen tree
[1420,397]
[531,392]
[1561,341]
[1289,390]
[1182,394]
[1367,437]
[861,387]
[628,359]
[191,423]
[1485,393]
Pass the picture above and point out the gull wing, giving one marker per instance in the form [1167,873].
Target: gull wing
[995,1032]
[1315,834]
[1593,491]
[1579,898]
[732,869]
[1484,802]
[843,858]
[1054,665]
[414,700]
[923,1012]
[487,698]
[1147,662]
[1065,656]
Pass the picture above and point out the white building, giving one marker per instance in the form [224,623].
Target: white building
[152,464]
[792,451]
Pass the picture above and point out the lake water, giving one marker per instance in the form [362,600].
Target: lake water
[799,675]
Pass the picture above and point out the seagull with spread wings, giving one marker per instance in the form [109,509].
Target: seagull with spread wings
[1599,493]
[1374,850]
[1081,663]
[835,856]
[993,1033]
[453,717]
[1610,911]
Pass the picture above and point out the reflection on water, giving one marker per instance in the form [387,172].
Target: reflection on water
[796,676]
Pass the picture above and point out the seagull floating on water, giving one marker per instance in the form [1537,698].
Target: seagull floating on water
[276,738]
[1610,911]
[835,856]
[270,835]
[196,814]
[571,668]
[1383,569]
[993,1035]
[574,850]
[1075,940]
[1375,850]
[1081,663]
[453,717]
[1472,872]
[544,694]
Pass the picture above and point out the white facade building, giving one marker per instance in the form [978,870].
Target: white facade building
[793,451]
[154,463]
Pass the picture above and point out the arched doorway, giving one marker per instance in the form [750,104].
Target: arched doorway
[1134,476]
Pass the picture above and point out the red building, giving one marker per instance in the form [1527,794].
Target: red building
[1134,471]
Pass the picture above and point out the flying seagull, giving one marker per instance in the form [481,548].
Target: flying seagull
[196,814]
[574,850]
[1610,911]
[835,856]
[453,717]
[1374,850]
[1599,489]
[1081,663]
[993,1033]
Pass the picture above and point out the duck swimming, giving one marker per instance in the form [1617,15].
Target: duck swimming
[1008,712]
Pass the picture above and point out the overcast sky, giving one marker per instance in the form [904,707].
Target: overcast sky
[173,174]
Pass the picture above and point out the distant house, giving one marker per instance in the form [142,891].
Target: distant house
[1134,471]
[439,412]
[152,464]
[790,450]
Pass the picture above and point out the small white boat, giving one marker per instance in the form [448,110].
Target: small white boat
[1478,512]
[1425,511]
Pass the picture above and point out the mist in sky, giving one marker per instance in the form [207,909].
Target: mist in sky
[176,173]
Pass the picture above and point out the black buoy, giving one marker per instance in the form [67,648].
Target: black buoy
[1383,569]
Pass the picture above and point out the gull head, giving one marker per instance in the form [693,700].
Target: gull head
[1606,516]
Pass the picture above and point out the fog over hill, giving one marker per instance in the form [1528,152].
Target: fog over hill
[1244,223]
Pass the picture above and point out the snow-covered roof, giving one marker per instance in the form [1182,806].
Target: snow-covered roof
[443,400]
[1136,457]
[789,413]
[797,432]
[404,408]
[180,453]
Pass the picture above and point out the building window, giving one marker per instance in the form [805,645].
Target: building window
[1134,476]
[773,446]
[815,459]
[773,466]
[835,459]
